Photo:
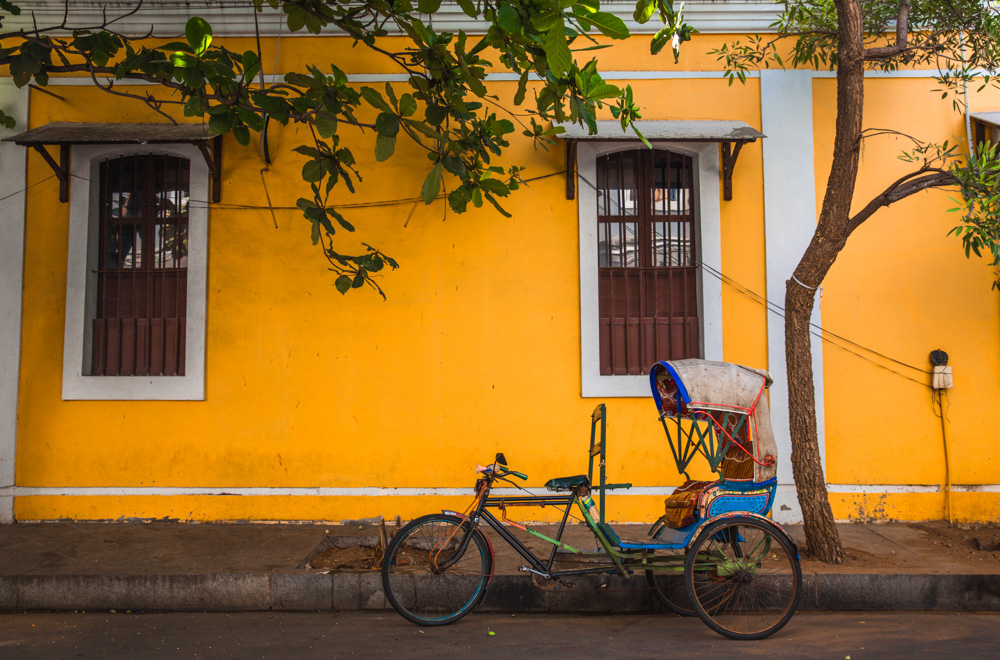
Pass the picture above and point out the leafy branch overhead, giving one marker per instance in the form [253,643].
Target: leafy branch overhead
[446,109]
[959,39]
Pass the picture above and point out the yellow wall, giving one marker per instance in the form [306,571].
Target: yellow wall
[476,349]
[903,288]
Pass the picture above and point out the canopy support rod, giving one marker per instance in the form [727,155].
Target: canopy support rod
[61,168]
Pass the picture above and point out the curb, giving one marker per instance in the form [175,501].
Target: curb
[312,592]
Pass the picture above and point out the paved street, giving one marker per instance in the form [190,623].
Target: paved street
[380,635]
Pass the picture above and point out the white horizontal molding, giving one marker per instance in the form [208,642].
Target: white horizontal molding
[235,18]
[98,491]
[882,489]
[625,76]
[657,491]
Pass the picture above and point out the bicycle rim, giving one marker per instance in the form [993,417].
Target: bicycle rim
[428,578]
[743,578]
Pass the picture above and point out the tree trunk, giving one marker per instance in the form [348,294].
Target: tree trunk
[832,231]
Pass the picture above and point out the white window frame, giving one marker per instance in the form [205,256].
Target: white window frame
[707,223]
[81,283]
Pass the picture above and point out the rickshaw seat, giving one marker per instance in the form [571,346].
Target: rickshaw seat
[567,483]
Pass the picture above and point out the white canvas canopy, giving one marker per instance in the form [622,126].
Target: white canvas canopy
[699,388]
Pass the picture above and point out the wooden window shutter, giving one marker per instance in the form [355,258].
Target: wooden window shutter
[647,260]
[139,328]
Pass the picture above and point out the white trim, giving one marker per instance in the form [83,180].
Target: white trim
[80,284]
[707,192]
[655,491]
[789,223]
[975,488]
[512,77]
[236,17]
[881,489]
[13,164]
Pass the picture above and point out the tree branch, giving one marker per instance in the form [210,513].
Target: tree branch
[902,31]
[912,183]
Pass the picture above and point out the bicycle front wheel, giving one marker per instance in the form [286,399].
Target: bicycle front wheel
[436,569]
[743,577]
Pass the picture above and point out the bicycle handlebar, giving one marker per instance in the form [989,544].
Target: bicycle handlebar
[503,470]
[519,475]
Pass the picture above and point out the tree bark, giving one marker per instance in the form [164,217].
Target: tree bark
[832,231]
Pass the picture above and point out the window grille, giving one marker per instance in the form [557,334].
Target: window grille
[647,260]
[139,328]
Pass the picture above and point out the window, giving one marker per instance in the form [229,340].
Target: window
[648,220]
[139,327]
[647,260]
[136,280]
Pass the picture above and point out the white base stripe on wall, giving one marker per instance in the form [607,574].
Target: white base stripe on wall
[27,491]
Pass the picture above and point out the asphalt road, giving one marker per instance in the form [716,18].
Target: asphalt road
[839,636]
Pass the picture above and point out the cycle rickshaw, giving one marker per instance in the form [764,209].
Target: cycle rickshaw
[713,553]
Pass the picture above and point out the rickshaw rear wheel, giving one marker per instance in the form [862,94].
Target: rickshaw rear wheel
[743,577]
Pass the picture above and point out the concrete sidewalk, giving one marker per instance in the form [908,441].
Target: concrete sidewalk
[249,567]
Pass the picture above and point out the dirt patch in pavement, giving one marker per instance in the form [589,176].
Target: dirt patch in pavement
[340,559]
[972,542]
[917,547]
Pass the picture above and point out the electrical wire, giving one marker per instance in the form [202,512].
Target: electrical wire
[815,329]
[26,188]
[774,308]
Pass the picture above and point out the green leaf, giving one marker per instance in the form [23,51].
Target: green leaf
[468,7]
[315,232]
[199,34]
[458,200]
[387,124]
[242,135]
[358,280]
[436,114]
[385,146]
[344,223]
[609,24]
[604,91]
[375,99]
[494,186]
[220,124]
[312,171]
[644,10]
[432,184]
[557,50]
[343,283]
[326,125]
[428,6]
[183,60]
[522,88]
[508,18]
[407,105]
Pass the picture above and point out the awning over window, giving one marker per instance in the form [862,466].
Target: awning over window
[985,126]
[731,134]
[65,134]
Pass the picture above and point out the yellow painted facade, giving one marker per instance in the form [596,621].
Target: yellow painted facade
[477,348]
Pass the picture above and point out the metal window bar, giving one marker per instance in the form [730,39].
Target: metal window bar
[139,327]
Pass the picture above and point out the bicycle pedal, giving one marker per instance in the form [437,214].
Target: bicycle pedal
[570,585]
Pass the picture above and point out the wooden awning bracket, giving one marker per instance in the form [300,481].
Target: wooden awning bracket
[66,134]
[61,168]
[570,169]
[213,159]
[730,152]
[729,156]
